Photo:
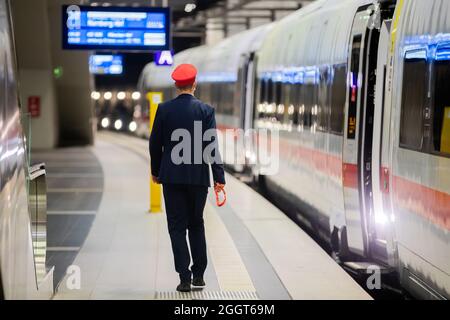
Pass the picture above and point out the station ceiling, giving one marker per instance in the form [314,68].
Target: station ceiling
[192,23]
[191,27]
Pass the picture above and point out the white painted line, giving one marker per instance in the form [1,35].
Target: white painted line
[73,175]
[74,190]
[68,158]
[63,249]
[133,145]
[78,213]
[73,164]
[231,272]
[304,268]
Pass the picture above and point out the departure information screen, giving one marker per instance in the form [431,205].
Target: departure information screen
[106,64]
[116,28]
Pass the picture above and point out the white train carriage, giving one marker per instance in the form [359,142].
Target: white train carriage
[357,91]
[418,155]
[383,159]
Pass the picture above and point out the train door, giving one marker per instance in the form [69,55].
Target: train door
[380,231]
[247,76]
[359,113]
[246,83]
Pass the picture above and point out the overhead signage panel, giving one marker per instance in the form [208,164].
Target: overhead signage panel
[105,64]
[116,28]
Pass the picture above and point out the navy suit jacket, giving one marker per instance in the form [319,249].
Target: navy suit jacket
[181,113]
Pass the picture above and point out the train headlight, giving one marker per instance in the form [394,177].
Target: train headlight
[121,95]
[107,95]
[132,126]
[118,124]
[95,95]
[105,123]
[136,95]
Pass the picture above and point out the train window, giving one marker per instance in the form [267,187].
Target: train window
[413,101]
[229,89]
[278,88]
[441,111]
[338,92]
[263,91]
[206,91]
[286,101]
[215,90]
[291,102]
[306,102]
[311,102]
[270,91]
[258,99]
[354,87]
[324,100]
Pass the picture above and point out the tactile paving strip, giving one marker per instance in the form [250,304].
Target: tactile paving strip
[207,295]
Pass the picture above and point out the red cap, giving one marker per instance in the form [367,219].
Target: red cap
[184,75]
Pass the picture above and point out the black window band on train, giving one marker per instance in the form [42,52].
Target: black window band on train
[305,104]
[278,94]
[414,96]
[323,109]
[262,91]
[425,109]
[441,102]
[354,88]
[270,91]
[338,93]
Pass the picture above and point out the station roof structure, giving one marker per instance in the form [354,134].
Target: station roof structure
[194,18]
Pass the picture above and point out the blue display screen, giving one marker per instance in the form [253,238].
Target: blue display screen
[116,28]
[104,64]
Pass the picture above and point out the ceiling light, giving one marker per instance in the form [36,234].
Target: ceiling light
[190,7]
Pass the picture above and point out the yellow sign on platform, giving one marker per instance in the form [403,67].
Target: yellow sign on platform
[154,99]
[445,135]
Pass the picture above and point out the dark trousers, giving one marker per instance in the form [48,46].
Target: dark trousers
[184,208]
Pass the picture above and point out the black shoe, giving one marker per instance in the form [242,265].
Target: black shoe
[184,287]
[198,282]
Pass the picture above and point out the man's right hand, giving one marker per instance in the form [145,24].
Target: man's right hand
[218,187]
[156,180]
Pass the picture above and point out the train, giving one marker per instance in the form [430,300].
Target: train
[23,270]
[114,110]
[356,92]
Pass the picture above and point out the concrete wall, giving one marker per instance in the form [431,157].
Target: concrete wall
[76,112]
[44,129]
[66,107]
[31,32]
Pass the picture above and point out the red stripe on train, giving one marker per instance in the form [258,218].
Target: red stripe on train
[431,204]
[350,175]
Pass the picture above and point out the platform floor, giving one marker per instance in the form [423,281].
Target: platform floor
[254,249]
[74,193]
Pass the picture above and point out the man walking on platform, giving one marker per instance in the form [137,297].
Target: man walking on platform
[182,167]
